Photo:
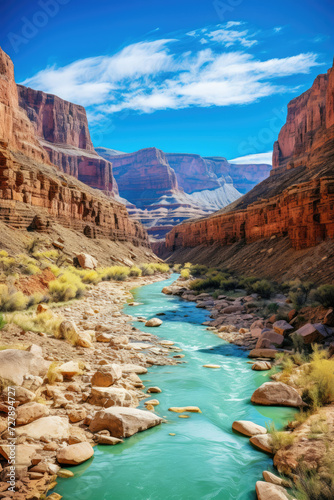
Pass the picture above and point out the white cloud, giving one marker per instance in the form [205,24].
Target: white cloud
[255,158]
[173,74]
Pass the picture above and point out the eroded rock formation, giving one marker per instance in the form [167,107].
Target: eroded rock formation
[62,129]
[31,188]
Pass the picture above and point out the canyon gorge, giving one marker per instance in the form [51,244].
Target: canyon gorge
[287,217]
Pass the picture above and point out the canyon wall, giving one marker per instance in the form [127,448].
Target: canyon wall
[308,135]
[62,129]
[34,194]
[296,202]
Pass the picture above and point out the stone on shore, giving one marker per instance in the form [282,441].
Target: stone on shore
[313,333]
[154,390]
[282,327]
[261,366]
[23,453]
[75,454]
[107,375]
[269,339]
[123,422]
[15,364]
[277,394]
[129,368]
[30,412]
[103,439]
[263,442]
[269,477]
[263,353]
[248,428]
[110,396]
[211,366]
[51,427]
[69,370]
[182,409]
[86,261]
[269,491]
[153,322]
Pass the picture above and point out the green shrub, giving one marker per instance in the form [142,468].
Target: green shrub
[229,284]
[325,295]
[272,308]
[117,273]
[198,270]
[205,284]
[315,484]
[318,380]
[12,300]
[66,287]
[263,288]
[185,274]
[2,321]
[280,439]
[46,322]
[146,270]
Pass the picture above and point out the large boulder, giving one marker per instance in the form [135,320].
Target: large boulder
[23,453]
[261,365]
[269,339]
[277,394]
[15,364]
[248,428]
[153,322]
[86,261]
[263,442]
[69,331]
[269,491]
[263,353]
[29,412]
[107,375]
[123,422]
[69,370]
[110,396]
[52,427]
[75,454]
[313,333]
[129,368]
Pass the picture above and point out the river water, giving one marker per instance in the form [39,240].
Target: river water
[205,459]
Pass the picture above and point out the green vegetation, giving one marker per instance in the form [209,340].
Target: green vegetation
[46,322]
[2,321]
[316,484]
[325,295]
[280,439]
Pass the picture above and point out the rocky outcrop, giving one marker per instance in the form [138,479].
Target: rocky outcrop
[296,202]
[308,135]
[62,129]
[35,194]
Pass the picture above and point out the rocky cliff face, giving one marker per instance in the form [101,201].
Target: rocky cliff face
[166,188]
[32,189]
[62,129]
[296,202]
[308,133]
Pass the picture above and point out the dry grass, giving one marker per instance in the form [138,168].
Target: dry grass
[280,439]
[46,322]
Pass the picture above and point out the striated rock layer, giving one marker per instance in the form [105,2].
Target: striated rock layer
[296,202]
[62,129]
[35,194]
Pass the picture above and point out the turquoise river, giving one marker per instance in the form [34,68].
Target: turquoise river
[205,459]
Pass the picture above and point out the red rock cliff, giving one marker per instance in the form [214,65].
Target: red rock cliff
[308,132]
[62,129]
[30,186]
[298,200]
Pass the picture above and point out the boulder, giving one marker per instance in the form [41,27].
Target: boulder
[329,318]
[110,396]
[277,394]
[313,333]
[282,327]
[16,363]
[153,322]
[129,368]
[23,453]
[76,415]
[107,375]
[118,340]
[263,442]
[231,309]
[123,422]
[69,370]
[75,454]
[86,261]
[269,477]
[155,390]
[52,427]
[22,395]
[269,491]
[269,339]
[102,439]
[103,337]
[248,428]
[29,412]
[261,366]
[263,353]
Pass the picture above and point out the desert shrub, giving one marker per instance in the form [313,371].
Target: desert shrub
[318,380]
[299,292]
[146,270]
[33,245]
[176,268]
[66,287]
[160,268]
[7,264]
[247,282]
[2,321]
[135,271]
[53,372]
[198,270]
[325,295]
[264,288]
[319,427]
[198,284]
[272,308]
[187,265]
[185,274]
[47,254]
[46,322]
[117,273]
[11,299]
[229,284]
[89,276]
[280,439]
[313,484]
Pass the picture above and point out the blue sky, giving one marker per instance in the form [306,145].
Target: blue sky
[197,76]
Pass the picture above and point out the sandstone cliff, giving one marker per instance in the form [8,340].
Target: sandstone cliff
[296,204]
[36,195]
[62,129]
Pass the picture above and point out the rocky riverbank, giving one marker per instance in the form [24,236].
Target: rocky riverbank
[67,397]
